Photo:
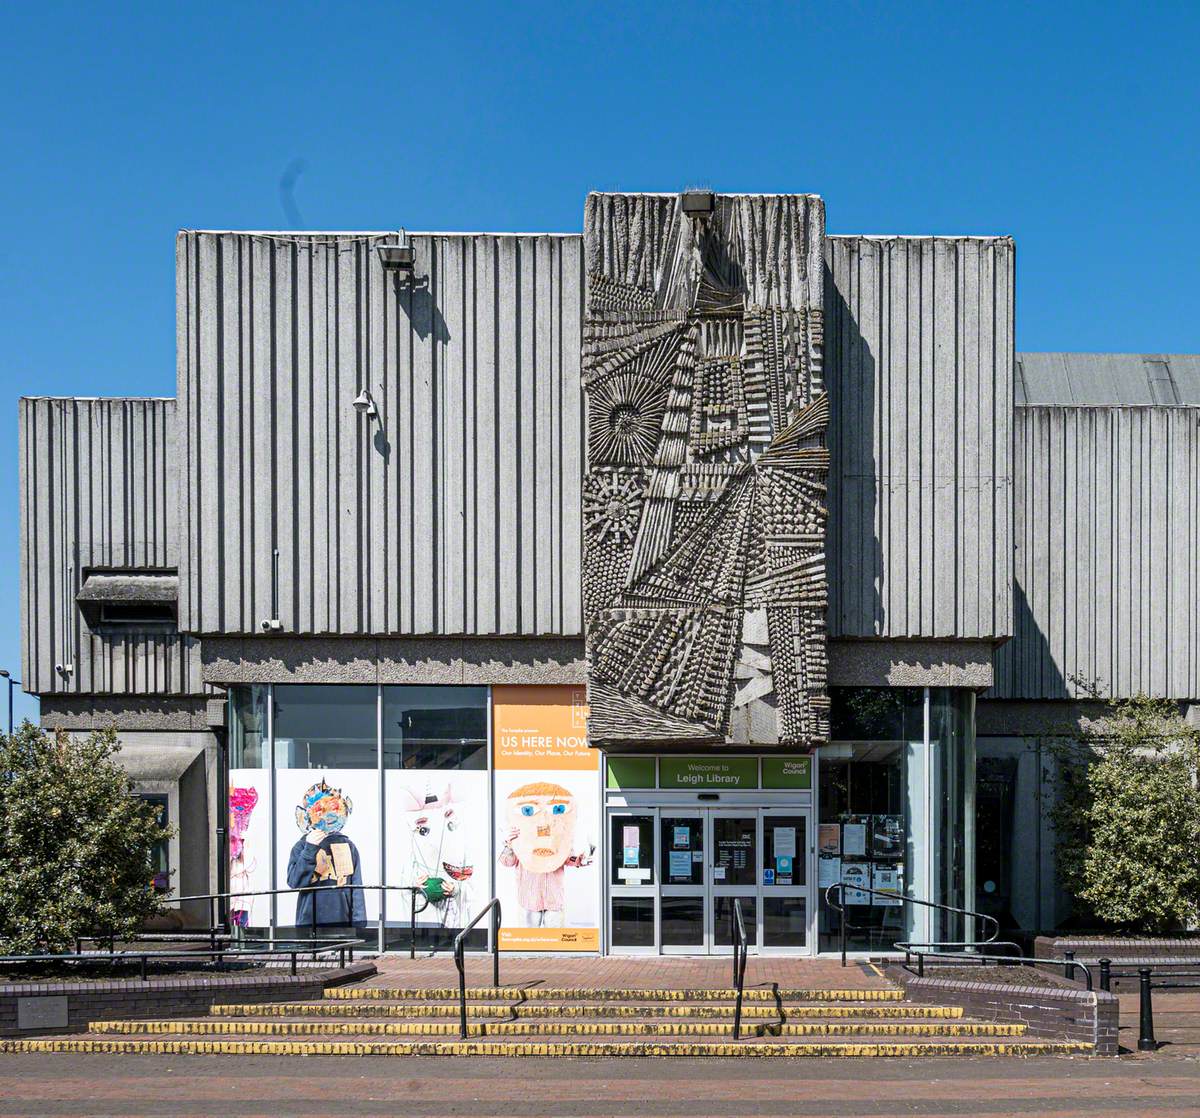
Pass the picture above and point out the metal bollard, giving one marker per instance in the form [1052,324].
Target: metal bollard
[1106,975]
[1068,965]
[1146,1042]
[920,965]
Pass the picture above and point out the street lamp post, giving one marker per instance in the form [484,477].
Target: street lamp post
[8,676]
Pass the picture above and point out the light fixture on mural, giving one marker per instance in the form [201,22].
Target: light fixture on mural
[400,259]
[364,405]
[698,203]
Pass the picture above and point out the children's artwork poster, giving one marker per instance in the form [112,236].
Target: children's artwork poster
[857,878]
[829,839]
[327,837]
[436,837]
[886,878]
[546,793]
[250,819]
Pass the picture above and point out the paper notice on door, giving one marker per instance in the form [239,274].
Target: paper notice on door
[681,864]
[683,838]
[632,837]
[785,842]
[631,855]
[718,873]
[633,876]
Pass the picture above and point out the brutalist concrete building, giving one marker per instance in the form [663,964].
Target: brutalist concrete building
[700,556]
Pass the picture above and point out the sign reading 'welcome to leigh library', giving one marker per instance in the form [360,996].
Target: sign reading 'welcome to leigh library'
[709,772]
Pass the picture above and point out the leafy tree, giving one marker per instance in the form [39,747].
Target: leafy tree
[1127,816]
[76,844]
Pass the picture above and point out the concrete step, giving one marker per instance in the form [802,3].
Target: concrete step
[631,994]
[874,1046]
[624,1029]
[510,1011]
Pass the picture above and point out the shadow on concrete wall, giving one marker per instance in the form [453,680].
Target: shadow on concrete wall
[854,551]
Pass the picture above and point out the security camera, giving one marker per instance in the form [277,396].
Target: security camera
[271,625]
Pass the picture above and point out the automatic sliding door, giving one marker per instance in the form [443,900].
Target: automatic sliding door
[681,876]
[733,873]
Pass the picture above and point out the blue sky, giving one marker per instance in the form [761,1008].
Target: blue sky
[1072,127]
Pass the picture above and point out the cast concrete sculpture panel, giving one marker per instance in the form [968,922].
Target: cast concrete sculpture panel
[704,503]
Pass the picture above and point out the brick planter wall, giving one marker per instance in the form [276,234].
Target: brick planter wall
[1091,948]
[126,998]
[1056,1013]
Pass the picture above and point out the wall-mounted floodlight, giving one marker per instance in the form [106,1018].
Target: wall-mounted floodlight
[397,258]
[364,405]
[698,203]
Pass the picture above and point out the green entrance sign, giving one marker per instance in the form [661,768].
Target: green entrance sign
[630,772]
[787,772]
[708,772]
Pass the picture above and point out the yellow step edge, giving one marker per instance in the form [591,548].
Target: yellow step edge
[562,1028]
[911,1050]
[612,1009]
[545,993]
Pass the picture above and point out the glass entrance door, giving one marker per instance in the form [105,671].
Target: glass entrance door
[682,872]
[785,911]
[733,872]
[674,873]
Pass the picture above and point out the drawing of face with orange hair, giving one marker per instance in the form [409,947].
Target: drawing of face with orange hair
[541,820]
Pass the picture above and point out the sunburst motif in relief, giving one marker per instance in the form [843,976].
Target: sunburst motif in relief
[626,415]
[612,502]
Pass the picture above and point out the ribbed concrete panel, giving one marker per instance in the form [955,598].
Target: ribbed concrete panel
[456,512]
[1107,522]
[919,362]
[98,489]
[1108,378]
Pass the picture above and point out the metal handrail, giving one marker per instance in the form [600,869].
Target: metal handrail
[892,894]
[1002,960]
[218,955]
[741,951]
[216,928]
[492,906]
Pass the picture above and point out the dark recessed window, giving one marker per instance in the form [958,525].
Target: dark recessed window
[137,613]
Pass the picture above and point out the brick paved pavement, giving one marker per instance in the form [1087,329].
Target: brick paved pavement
[647,973]
[282,1087]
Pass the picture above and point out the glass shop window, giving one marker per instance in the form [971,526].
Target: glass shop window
[248,726]
[160,859]
[325,726]
[435,727]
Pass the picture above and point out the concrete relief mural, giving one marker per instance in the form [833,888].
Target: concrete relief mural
[704,504]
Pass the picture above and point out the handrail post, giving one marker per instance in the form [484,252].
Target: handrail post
[1146,1042]
[920,964]
[1069,965]
[1106,975]
[496,947]
[412,925]
[842,920]
[734,941]
[462,991]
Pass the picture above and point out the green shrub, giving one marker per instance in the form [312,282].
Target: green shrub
[76,843]
[1127,817]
